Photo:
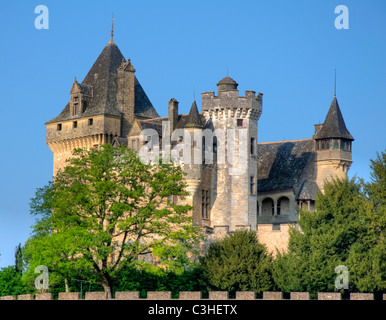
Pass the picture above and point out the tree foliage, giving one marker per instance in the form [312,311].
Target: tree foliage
[19,261]
[347,228]
[105,210]
[237,263]
[150,278]
[11,282]
[367,260]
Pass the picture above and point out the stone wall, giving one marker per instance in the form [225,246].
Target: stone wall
[331,164]
[274,239]
[194,295]
[85,135]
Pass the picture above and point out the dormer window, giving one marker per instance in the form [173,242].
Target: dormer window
[76,106]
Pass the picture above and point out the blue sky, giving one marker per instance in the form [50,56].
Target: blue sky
[286,49]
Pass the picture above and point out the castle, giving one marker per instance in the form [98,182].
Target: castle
[110,106]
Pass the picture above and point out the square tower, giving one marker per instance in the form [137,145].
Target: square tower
[233,119]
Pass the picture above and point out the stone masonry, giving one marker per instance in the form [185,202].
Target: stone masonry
[110,106]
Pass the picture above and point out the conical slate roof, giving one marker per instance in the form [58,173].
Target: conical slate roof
[102,78]
[333,126]
[194,119]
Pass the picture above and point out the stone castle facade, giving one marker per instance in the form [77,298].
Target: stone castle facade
[110,106]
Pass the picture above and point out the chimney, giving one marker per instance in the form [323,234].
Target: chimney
[126,95]
[173,113]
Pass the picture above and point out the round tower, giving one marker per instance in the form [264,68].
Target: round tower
[333,145]
[193,168]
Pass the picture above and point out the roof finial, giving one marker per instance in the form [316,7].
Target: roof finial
[112,30]
[335,85]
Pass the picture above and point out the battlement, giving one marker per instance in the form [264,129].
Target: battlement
[192,295]
[230,100]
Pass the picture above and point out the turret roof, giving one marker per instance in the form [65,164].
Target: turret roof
[102,78]
[333,126]
[194,119]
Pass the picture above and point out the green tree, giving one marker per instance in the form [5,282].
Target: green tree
[11,282]
[151,278]
[376,188]
[237,263]
[324,239]
[347,228]
[19,264]
[105,210]
[367,260]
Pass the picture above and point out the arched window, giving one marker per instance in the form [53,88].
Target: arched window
[268,207]
[283,205]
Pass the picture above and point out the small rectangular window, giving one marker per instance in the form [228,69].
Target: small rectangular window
[252,185]
[90,122]
[205,204]
[276,227]
[76,109]
[75,124]
[253,146]
[239,122]
[59,127]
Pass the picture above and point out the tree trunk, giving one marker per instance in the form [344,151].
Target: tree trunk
[66,284]
[108,286]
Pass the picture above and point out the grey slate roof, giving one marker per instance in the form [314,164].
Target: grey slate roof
[227,80]
[284,165]
[333,126]
[227,83]
[308,190]
[193,119]
[143,106]
[156,123]
[102,77]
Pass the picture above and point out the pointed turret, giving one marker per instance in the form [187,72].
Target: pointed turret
[333,126]
[194,120]
[104,105]
[333,146]
[103,81]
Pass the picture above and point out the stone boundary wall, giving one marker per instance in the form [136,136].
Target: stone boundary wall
[194,295]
